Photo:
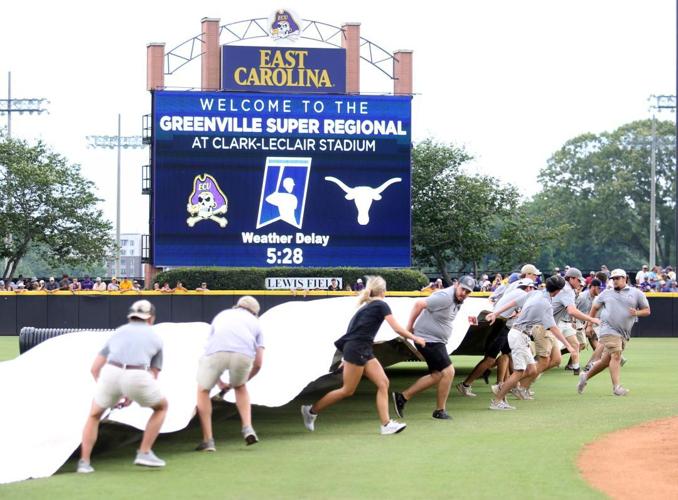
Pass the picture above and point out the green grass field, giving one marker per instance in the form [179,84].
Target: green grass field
[528,453]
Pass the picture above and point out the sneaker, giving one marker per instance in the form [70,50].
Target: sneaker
[398,403]
[442,414]
[465,390]
[250,437]
[486,376]
[206,446]
[309,418]
[500,405]
[496,388]
[576,371]
[568,367]
[84,467]
[531,393]
[518,393]
[526,394]
[393,427]
[148,459]
[620,391]
[582,383]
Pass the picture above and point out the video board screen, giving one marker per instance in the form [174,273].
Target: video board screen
[280,180]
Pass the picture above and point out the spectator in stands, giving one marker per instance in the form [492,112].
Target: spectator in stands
[434,285]
[113,286]
[496,283]
[640,275]
[136,286]
[156,286]
[202,287]
[590,278]
[645,285]
[358,285]
[65,283]
[2,285]
[179,287]
[166,288]
[126,284]
[76,286]
[99,286]
[87,283]
[38,285]
[670,273]
[485,283]
[51,285]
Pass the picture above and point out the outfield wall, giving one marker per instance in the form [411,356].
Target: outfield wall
[109,309]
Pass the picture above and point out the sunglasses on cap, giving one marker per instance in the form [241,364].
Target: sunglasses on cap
[617,277]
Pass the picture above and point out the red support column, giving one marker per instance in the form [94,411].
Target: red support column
[155,66]
[211,67]
[402,72]
[351,42]
[150,272]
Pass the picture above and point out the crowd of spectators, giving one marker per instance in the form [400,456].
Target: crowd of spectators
[656,279]
[73,284]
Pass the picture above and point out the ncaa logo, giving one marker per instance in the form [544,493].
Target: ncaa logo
[283,191]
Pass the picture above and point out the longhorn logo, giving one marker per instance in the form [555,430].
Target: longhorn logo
[363,196]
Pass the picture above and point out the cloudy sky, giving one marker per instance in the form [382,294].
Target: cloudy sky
[509,80]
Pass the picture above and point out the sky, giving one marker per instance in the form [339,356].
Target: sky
[510,80]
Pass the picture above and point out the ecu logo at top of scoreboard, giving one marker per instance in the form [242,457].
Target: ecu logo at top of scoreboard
[283,69]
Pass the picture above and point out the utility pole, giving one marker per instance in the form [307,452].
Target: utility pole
[116,142]
[659,103]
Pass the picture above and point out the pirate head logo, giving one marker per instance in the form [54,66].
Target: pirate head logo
[283,24]
[206,202]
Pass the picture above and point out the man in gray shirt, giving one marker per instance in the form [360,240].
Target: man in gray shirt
[496,345]
[236,345]
[620,307]
[126,370]
[431,319]
[535,318]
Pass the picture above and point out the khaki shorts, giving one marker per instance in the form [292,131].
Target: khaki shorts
[137,385]
[521,355]
[612,343]
[581,338]
[544,341]
[211,367]
[567,329]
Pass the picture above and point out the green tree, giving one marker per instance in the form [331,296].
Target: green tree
[599,184]
[456,217]
[48,206]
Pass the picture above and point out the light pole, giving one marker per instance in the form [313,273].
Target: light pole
[661,103]
[9,106]
[116,142]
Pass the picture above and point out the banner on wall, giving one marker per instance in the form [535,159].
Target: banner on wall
[280,180]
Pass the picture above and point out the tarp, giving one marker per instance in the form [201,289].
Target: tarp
[46,393]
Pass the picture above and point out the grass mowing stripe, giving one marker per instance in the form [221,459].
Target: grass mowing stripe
[530,452]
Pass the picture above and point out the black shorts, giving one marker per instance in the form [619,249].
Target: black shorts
[435,354]
[497,340]
[357,352]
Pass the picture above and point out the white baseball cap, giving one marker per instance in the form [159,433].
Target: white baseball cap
[618,272]
[141,309]
[529,269]
[525,282]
